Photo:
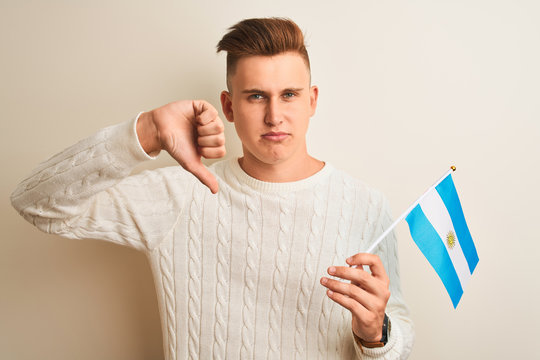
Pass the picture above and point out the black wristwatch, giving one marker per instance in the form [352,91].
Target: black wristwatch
[386,328]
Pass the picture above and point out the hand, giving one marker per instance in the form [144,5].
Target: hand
[366,296]
[187,130]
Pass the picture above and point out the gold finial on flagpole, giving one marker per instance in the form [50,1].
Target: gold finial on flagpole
[453,168]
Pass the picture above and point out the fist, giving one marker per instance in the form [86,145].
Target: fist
[187,130]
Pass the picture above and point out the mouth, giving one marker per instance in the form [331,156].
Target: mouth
[275,136]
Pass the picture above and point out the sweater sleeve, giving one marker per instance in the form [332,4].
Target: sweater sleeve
[401,337]
[85,191]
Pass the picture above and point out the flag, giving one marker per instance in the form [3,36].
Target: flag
[438,227]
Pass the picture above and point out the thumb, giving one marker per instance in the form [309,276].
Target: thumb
[205,176]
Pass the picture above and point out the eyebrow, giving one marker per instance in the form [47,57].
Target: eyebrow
[258,91]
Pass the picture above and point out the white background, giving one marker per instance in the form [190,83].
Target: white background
[407,88]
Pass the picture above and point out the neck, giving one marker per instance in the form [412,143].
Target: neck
[286,171]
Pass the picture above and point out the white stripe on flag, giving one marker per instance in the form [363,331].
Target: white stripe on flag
[437,214]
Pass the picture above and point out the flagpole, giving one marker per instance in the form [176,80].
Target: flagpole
[404,215]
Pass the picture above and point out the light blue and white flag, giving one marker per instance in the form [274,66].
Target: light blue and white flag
[438,227]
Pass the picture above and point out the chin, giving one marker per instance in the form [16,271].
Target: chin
[270,155]
[274,159]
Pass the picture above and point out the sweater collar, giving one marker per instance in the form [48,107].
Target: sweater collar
[275,187]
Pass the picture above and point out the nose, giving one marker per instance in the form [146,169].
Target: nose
[273,116]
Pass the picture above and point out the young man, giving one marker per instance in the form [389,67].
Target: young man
[269,266]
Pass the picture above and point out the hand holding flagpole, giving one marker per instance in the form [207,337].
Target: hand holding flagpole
[438,227]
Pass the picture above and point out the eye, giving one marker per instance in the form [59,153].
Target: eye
[289,95]
[256,96]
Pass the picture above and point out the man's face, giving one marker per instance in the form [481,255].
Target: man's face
[270,104]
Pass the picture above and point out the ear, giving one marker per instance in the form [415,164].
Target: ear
[226,105]
[313,96]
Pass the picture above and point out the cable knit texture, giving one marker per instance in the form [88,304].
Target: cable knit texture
[237,273]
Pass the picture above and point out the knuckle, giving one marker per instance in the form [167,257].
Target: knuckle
[335,285]
[352,291]
[210,114]
[342,287]
[206,152]
[212,111]
[222,152]
[356,308]
[212,153]
[341,299]
[219,126]
[386,295]
[363,276]
[199,104]
[355,292]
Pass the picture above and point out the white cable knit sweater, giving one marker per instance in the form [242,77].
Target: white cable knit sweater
[237,273]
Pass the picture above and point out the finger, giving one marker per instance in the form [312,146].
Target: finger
[211,140]
[356,275]
[204,112]
[212,152]
[373,261]
[212,128]
[363,279]
[353,306]
[204,176]
[367,300]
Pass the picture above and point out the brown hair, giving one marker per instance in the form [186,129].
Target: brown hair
[264,36]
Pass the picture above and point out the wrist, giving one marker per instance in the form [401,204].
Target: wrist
[379,342]
[147,134]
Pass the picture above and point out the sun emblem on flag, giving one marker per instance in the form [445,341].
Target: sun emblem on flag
[451,239]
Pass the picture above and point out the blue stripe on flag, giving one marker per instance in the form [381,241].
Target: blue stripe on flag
[449,196]
[432,246]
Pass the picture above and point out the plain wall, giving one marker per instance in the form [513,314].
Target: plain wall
[407,88]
